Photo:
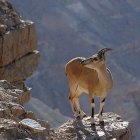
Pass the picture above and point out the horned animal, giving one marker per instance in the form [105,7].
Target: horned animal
[91,76]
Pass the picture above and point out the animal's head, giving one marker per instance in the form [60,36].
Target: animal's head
[97,60]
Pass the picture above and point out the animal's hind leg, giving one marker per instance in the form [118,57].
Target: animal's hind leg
[80,112]
[73,107]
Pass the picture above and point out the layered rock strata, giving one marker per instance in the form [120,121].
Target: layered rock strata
[18,41]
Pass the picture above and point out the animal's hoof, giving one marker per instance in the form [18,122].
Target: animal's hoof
[92,124]
[102,123]
[84,116]
[78,117]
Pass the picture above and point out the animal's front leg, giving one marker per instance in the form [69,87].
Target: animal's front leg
[92,104]
[102,102]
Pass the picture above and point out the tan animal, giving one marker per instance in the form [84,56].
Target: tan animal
[89,75]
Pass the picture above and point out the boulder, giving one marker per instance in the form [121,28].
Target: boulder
[2,28]
[30,115]
[24,97]
[44,123]
[17,111]
[32,125]
[10,93]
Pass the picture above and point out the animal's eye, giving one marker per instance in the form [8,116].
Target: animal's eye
[95,59]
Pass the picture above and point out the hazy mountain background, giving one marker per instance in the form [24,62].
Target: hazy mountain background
[71,28]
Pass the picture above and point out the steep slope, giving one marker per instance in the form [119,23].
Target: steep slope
[70,28]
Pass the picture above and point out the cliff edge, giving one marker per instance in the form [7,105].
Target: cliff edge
[114,129]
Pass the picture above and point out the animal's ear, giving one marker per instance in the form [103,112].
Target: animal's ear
[101,53]
[82,62]
[86,61]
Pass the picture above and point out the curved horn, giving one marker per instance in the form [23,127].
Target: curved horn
[102,52]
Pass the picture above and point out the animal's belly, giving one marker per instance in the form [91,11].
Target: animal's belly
[87,87]
[83,87]
[102,92]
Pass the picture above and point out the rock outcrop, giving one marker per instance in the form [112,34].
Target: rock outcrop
[15,121]
[18,41]
[114,129]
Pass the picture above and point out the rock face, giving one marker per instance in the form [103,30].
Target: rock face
[114,129]
[18,41]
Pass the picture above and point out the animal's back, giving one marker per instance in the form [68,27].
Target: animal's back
[73,68]
[86,78]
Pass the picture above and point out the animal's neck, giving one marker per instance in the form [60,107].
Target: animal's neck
[105,78]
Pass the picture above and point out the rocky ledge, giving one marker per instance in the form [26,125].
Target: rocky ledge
[18,60]
[114,129]
[15,121]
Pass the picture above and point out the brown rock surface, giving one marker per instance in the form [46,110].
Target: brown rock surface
[18,41]
[20,69]
[17,110]
[30,115]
